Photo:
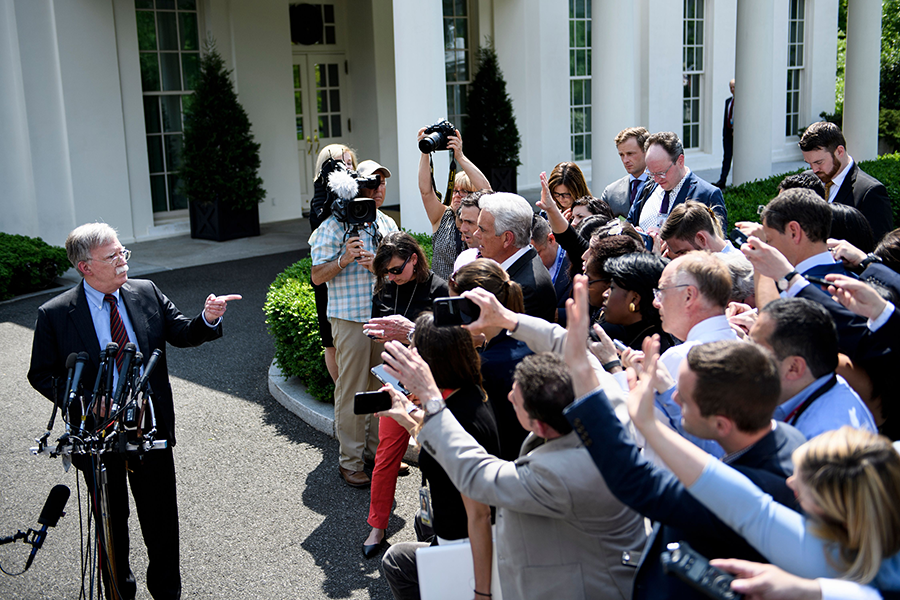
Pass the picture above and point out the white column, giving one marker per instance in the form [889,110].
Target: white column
[753,90]
[861,78]
[19,213]
[613,86]
[421,98]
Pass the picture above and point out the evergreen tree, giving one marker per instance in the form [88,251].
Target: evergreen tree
[492,138]
[219,157]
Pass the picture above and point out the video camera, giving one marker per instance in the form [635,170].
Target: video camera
[342,194]
[437,137]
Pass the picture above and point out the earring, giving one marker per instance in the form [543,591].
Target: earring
[632,307]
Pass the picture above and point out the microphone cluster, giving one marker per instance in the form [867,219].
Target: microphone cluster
[116,414]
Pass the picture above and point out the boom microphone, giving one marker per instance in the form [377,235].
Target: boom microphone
[50,514]
[75,381]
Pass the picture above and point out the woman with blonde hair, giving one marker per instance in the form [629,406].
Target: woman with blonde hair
[318,212]
[446,240]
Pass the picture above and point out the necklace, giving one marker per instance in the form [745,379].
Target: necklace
[408,304]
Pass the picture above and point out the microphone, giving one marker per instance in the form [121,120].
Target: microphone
[75,380]
[70,366]
[50,514]
[112,349]
[151,364]
[128,355]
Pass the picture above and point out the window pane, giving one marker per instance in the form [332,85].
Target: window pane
[173,152]
[168,31]
[188,24]
[321,101]
[699,58]
[158,193]
[335,125]
[299,128]
[329,35]
[328,13]
[323,127]
[187,4]
[171,113]
[578,91]
[176,193]
[580,67]
[579,146]
[462,95]
[171,71]
[335,100]
[143,3]
[460,8]
[297,85]
[146,28]
[166,4]
[151,114]
[579,34]
[155,153]
[333,75]
[298,103]
[320,74]
[149,72]
[579,9]
[191,64]
[571,63]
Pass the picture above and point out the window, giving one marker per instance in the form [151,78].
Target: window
[580,78]
[312,24]
[456,59]
[794,67]
[692,72]
[169,46]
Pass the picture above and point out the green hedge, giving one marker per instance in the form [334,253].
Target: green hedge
[742,200]
[291,316]
[28,265]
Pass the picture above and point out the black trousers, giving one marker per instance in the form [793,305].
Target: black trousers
[728,147]
[152,481]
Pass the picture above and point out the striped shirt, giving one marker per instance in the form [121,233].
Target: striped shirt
[350,291]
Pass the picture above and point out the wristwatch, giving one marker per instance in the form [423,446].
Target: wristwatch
[785,282]
[869,259]
[434,406]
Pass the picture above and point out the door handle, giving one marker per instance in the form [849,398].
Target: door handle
[318,143]
[308,146]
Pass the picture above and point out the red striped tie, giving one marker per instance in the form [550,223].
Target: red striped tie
[116,328]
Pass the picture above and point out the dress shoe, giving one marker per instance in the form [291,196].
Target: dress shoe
[357,479]
[372,550]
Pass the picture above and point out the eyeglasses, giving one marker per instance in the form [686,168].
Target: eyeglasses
[399,270]
[657,292]
[562,195]
[113,259]
[600,280]
[460,192]
[662,174]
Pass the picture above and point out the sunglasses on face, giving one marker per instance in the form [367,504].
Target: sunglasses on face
[399,270]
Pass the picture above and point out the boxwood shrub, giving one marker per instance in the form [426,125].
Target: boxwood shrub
[742,200]
[291,316]
[28,265]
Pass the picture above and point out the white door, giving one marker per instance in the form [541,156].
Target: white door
[322,111]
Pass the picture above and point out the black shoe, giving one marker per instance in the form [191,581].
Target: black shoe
[372,550]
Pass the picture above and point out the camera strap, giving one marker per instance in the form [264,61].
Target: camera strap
[450,181]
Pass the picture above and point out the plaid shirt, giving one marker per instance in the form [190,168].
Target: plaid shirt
[350,291]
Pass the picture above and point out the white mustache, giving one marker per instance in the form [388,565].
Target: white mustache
[122,269]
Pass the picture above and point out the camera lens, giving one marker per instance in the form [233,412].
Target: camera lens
[428,143]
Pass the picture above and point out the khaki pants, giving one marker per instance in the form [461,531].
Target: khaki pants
[356,353]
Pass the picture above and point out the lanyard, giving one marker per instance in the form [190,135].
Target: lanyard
[795,414]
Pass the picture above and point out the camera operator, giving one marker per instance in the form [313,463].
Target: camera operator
[447,240]
[342,255]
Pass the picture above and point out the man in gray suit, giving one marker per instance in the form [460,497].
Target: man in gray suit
[622,193]
[560,531]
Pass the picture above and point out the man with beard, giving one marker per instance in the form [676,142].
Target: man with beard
[825,151]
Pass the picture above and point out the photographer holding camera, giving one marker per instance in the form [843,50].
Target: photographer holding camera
[446,238]
[343,248]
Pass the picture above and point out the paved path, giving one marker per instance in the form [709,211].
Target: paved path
[264,513]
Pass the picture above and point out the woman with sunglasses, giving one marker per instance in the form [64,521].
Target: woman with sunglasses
[405,288]
[446,238]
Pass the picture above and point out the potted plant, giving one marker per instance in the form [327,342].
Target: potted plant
[492,138]
[220,160]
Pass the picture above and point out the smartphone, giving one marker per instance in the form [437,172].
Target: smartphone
[454,311]
[817,280]
[620,346]
[382,376]
[366,403]
[738,237]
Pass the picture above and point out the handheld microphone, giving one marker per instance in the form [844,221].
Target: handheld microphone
[128,355]
[70,367]
[50,514]
[112,349]
[75,380]
[151,364]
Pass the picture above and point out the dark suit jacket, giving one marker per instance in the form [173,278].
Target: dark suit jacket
[694,188]
[727,127]
[64,325]
[537,287]
[868,196]
[656,493]
[823,270]
[563,288]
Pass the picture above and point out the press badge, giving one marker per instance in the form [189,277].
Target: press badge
[425,507]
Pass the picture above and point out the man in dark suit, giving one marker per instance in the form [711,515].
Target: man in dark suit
[824,149]
[676,183]
[107,307]
[735,410]
[557,262]
[727,137]
[504,234]
[622,193]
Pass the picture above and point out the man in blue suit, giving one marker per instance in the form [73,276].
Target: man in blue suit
[728,392]
[676,183]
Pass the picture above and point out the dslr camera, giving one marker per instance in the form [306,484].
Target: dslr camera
[342,195]
[437,136]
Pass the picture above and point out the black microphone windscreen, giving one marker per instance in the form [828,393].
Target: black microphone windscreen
[70,362]
[53,507]
[83,357]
